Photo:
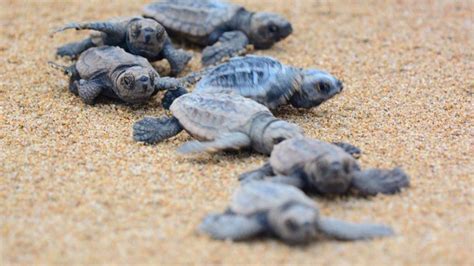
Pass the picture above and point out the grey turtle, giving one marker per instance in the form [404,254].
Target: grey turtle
[112,72]
[224,121]
[326,169]
[137,35]
[270,82]
[225,29]
[282,211]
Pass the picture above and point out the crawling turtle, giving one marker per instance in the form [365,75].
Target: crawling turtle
[137,35]
[225,29]
[269,82]
[324,168]
[282,211]
[112,72]
[225,121]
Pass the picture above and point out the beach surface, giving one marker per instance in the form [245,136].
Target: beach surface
[76,189]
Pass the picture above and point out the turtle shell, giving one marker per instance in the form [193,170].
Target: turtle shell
[104,59]
[302,150]
[206,116]
[260,78]
[194,20]
[261,196]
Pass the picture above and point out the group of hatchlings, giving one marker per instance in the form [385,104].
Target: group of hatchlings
[230,109]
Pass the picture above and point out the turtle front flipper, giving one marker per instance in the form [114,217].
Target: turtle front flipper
[373,181]
[349,148]
[152,130]
[103,26]
[230,226]
[260,173]
[230,44]
[177,58]
[342,230]
[227,141]
[74,49]
[171,95]
[88,90]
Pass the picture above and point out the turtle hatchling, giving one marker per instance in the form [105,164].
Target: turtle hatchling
[112,72]
[269,82]
[137,35]
[223,121]
[225,29]
[324,168]
[282,211]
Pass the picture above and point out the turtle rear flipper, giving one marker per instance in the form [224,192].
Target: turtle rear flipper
[228,141]
[230,44]
[342,230]
[230,226]
[152,130]
[373,181]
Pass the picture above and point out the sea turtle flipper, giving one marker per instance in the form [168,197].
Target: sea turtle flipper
[373,181]
[342,230]
[349,148]
[230,226]
[177,58]
[227,141]
[257,174]
[230,44]
[74,49]
[152,130]
[89,90]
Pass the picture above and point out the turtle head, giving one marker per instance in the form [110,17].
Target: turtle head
[294,222]
[278,131]
[146,37]
[136,84]
[318,87]
[331,172]
[268,28]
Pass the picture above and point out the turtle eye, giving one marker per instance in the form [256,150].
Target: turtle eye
[272,28]
[291,225]
[278,140]
[324,87]
[128,81]
[136,30]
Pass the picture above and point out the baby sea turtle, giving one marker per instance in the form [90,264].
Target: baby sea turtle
[224,28]
[225,121]
[282,211]
[137,35]
[112,72]
[324,168]
[270,82]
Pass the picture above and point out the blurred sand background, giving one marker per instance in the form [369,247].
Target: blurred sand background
[76,189]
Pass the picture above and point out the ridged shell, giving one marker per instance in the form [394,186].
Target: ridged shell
[260,196]
[302,150]
[104,59]
[206,116]
[197,19]
[260,78]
